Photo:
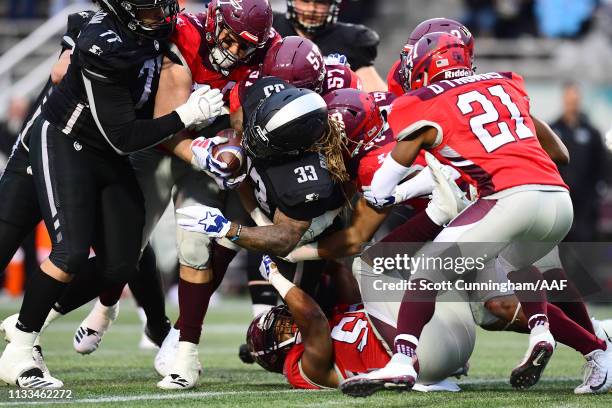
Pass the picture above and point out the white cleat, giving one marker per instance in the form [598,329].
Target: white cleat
[447,198]
[18,365]
[88,336]
[398,375]
[603,330]
[540,350]
[597,373]
[7,327]
[167,353]
[186,369]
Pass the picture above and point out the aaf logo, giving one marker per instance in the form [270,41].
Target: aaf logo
[236,4]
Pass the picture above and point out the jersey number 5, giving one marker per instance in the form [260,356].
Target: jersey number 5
[491,115]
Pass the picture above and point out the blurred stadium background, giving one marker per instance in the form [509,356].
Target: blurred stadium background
[549,42]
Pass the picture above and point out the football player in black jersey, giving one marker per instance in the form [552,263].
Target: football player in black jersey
[296,180]
[87,192]
[318,21]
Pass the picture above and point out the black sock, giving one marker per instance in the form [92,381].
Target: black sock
[85,286]
[146,286]
[40,295]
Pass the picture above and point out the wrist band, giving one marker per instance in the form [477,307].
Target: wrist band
[237,236]
[280,283]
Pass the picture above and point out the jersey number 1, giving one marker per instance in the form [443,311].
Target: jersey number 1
[491,115]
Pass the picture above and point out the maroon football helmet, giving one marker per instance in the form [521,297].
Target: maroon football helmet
[437,56]
[248,21]
[298,61]
[360,114]
[436,25]
[270,337]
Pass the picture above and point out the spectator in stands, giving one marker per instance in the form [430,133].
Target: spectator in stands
[58,5]
[22,9]
[10,128]
[584,174]
[566,19]
[480,17]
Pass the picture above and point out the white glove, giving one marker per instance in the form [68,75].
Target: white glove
[267,267]
[336,59]
[203,104]
[205,220]
[377,201]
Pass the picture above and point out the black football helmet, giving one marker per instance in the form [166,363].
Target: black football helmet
[294,14]
[285,125]
[154,19]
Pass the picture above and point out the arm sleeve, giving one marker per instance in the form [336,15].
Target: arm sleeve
[113,111]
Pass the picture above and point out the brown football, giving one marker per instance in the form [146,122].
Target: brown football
[230,152]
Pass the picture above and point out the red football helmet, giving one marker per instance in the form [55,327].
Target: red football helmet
[359,113]
[248,21]
[436,25]
[270,336]
[298,61]
[437,56]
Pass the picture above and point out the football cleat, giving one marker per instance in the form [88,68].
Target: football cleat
[7,327]
[88,336]
[597,373]
[539,352]
[18,364]
[156,335]
[447,199]
[603,330]
[398,375]
[167,352]
[186,369]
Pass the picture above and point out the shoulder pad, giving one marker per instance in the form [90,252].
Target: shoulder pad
[76,22]
[358,34]
[107,51]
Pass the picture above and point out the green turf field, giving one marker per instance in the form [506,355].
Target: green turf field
[119,374]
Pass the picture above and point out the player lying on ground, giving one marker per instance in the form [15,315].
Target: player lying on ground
[313,352]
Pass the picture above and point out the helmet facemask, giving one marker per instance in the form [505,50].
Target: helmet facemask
[320,20]
[224,39]
[151,19]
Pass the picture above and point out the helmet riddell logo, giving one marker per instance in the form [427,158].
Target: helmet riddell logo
[237,4]
[457,73]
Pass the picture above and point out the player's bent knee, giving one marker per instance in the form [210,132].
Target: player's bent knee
[69,262]
[193,250]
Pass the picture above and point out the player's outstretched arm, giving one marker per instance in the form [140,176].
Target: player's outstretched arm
[277,239]
[317,361]
[372,82]
[551,142]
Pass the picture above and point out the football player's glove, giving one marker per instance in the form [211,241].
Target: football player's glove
[205,220]
[376,201]
[336,59]
[203,104]
[267,267]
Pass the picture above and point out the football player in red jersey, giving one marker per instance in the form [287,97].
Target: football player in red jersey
[315,353]
[298,61]
[440,73]
[396,78]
